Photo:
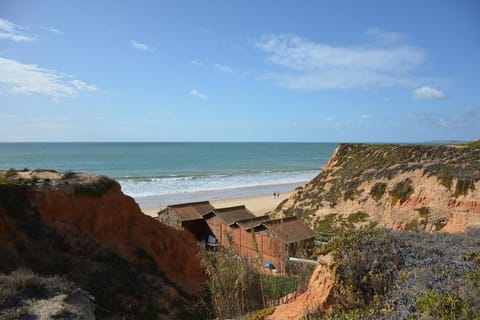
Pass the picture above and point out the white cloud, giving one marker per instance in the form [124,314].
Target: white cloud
[387,99]
[223,67]
[365,117]
[14,32]
[80,85]
[141,46]
[197,94]
[314,65]
[329,119]
[428,93]
[19,78]
[54,30]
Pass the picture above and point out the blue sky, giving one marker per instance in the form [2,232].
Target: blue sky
[353,71]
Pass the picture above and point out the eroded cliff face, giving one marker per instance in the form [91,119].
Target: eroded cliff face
[396,187]
[318,297]
[88,221]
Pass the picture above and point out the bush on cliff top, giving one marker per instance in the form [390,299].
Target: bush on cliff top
[95,189]
[474,144]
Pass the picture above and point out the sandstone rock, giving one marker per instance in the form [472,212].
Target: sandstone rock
[441,188]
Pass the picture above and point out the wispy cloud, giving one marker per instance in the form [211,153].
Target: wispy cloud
[14,32]
[223,67]
[428,93]
[80,85]
[54,30]
[197,94]
[315,65]
[463,120]
[19,78]
[142,46]
[383,36]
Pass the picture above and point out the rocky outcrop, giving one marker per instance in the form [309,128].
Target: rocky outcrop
[102,238]
[317,298]
[392,186]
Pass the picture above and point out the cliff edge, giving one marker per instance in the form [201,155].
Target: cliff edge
[83,227]
[398,187]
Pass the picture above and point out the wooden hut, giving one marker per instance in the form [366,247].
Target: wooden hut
[258,239]
[189,217]
[290,234]
[222,220]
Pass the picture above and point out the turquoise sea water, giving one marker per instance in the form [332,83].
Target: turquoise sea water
[163,169]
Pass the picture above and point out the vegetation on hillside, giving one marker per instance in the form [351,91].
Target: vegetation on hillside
[21,288]
[405,275]
[457,169]
[236,287]
[474,144]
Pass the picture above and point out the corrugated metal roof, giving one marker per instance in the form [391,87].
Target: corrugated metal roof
[289,229]
[191,210]
[252,222]
[233,214]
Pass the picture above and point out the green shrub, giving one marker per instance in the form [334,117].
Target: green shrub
[11,173]
[412,225]
[424,212]
[234,286]
[259,315]
[474,277]
[463,186]
[445,305]
[96,189]
[278,286]
[445,176]
[474,144]
[327,224]
[68,175]
[401,191]
[367,263]
[378,190]
[357,217]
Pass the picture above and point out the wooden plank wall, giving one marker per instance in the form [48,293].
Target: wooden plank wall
[271,250]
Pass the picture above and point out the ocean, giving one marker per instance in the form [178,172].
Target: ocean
[167,173]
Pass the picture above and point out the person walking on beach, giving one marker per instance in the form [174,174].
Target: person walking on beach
[274,195]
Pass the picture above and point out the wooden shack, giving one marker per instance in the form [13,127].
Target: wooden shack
[221,222]
[274,240]
[258,239]
[290,234]
[189,217]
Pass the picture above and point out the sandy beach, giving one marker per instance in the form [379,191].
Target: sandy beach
[259,205]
